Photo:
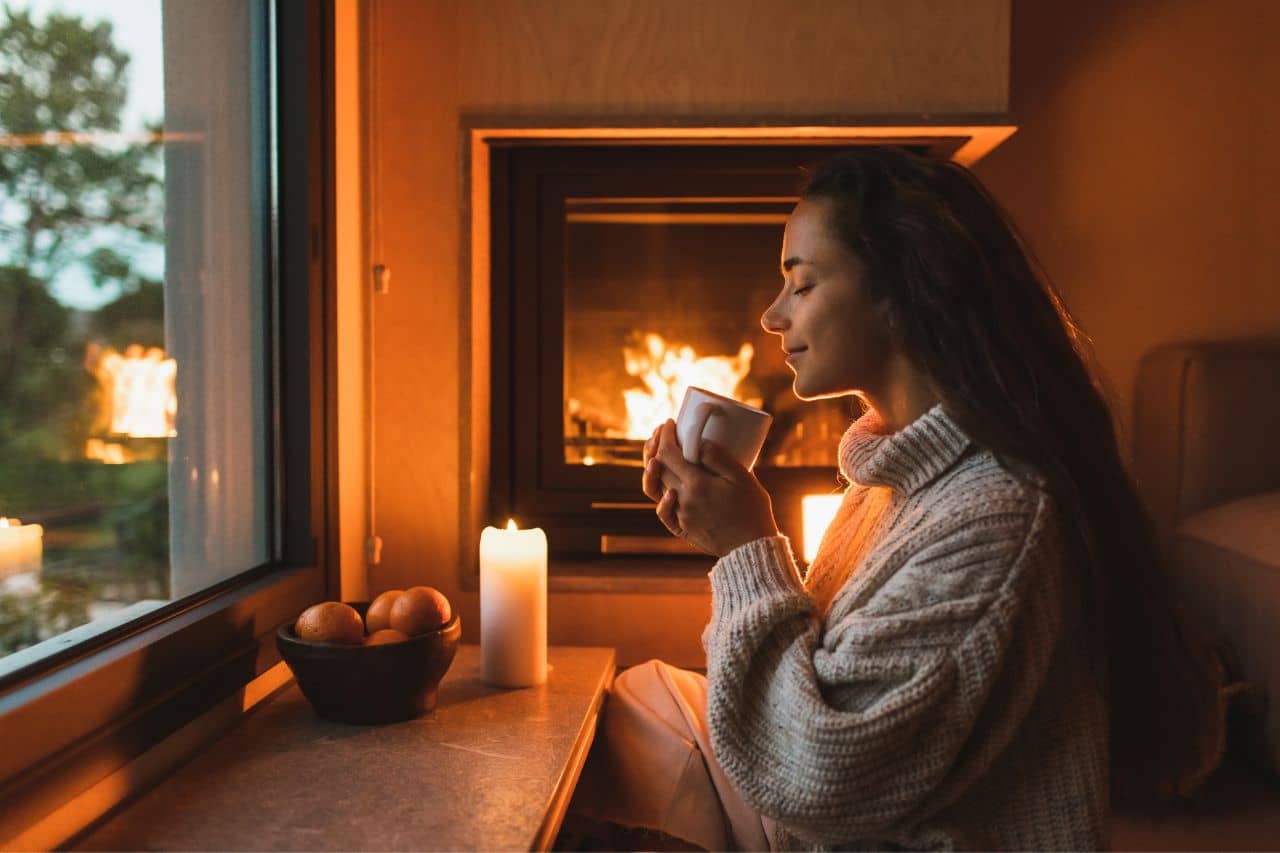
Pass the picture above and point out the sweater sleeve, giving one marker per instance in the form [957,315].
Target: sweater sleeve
[850,732]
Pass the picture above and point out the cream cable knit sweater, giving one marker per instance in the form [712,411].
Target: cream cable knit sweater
[928,684]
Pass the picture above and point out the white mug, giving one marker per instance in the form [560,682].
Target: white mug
[738,428]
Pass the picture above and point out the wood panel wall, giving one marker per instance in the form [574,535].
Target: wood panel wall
[722,57]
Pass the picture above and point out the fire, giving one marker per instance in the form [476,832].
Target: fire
[138,396]
[667,370]
[109,452]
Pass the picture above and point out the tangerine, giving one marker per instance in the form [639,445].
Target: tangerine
[386,635]
[330,622]
[378,616]
[420,609]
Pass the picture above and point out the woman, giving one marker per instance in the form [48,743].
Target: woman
[983,648]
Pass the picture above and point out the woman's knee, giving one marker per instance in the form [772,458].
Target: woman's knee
[638,678]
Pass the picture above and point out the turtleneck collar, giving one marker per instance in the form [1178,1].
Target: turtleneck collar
[904,460]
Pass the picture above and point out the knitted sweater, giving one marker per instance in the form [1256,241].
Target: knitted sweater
[929,683]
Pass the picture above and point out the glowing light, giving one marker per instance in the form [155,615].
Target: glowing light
[818,512]
[21,547]
[511,524]
[109,452]
[667,370]
[138,396]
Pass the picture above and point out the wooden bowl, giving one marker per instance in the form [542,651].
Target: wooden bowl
[371,684]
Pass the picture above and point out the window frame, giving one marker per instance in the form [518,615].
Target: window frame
[75,717]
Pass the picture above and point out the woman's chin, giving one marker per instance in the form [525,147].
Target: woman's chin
[805,390]
[810,391]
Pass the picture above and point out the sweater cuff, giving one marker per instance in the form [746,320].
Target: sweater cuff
[750,572]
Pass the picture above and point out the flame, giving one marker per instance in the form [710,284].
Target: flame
[511,524]
[667,371]
[138,396]
[110,452]
[6,522]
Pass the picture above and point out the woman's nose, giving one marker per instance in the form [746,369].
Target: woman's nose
[773,320]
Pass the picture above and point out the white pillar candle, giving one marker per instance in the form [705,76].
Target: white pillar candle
[21,547]
[513,606]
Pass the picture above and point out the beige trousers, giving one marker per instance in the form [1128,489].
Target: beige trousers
[651,764]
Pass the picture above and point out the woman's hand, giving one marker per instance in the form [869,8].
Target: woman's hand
[715,506]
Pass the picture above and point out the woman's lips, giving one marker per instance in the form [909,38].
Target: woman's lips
[793,355]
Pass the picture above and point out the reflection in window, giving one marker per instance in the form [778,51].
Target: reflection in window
[133,176]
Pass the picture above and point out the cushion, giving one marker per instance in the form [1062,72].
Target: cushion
[1249,526]
[1226,564]
[1206,418]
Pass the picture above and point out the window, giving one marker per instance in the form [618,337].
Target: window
[133,274]
[163,204]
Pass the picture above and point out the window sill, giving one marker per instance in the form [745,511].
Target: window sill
[488,769]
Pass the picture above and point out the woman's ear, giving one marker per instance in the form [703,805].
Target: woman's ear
[888,318]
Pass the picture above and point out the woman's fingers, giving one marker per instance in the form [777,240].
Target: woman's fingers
[651,445]
[667,513]
[651,482]
[670,455]
[657,478]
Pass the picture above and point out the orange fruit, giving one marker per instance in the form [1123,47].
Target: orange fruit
[330,622]
[386,635]
[420,609]
[378,616]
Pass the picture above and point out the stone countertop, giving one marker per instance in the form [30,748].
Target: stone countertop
[490,769]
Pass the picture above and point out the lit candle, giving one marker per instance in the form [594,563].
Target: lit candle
[513,606]
[21,547]
[818,511]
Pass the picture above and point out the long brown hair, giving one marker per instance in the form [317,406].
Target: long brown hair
[979,317]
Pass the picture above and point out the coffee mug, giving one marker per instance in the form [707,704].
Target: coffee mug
[738,428]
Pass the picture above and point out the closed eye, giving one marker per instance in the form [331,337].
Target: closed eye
[804,288]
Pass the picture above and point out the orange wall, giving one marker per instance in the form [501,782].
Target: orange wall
[1144,173]
[429,63]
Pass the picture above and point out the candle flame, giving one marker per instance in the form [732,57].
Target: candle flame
[4,522]
[511,524]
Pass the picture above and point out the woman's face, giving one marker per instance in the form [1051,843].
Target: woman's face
[836,339]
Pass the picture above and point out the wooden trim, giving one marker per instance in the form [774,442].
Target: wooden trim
[82,812]
[327,505]
[977,135]
[563,794]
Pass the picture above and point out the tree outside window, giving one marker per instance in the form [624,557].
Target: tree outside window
[82,303]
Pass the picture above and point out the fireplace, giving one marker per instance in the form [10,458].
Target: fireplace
[620,272]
